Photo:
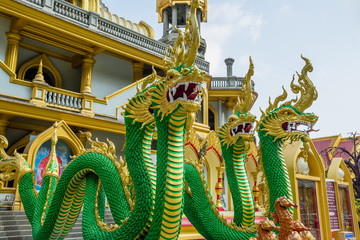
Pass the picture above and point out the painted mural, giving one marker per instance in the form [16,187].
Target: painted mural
[63,153]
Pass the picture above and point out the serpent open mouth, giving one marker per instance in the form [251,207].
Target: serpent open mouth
[188,91]
[302,127]
[242,128]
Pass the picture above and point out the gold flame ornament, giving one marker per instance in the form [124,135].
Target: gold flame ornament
[306,88]
[244,104]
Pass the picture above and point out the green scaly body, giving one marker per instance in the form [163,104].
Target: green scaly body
[170,180]
[278,181]
[63,206]
[244,207]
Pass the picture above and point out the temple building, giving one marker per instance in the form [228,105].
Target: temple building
[77,63]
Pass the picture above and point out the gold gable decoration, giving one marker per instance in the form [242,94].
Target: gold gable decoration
[194,139]
[212,140]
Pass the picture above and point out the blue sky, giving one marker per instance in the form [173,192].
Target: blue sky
[275,33]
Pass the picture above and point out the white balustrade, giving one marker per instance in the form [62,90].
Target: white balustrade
[61,100]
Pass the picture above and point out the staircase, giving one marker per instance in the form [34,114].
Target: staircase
[15,226]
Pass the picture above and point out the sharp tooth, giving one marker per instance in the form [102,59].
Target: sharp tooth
[186,85]
[232,131]
[184,96]
[171,97]
[173,90]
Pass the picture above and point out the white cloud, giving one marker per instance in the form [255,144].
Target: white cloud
[229,23]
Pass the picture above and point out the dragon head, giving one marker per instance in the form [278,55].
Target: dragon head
[288,121]
[180,89]
[240,124]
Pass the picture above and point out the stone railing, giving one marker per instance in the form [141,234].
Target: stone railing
[37,2]
[95,22]
[62,100]
[228,83]
[69,10]
[44,95]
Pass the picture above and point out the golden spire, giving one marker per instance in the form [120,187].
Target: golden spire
[52,165]
[244,104]
[39,77]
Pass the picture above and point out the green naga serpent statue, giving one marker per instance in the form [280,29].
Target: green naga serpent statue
[277,125]
[146,203]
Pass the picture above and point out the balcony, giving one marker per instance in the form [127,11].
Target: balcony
[94,22]
[228,83]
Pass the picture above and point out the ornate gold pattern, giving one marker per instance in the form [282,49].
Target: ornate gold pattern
[139,109]
[213,141]
[12,167]
[193,138]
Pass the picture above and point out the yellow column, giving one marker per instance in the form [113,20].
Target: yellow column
[138,71]
[4,122]
[86,76]
[12,49]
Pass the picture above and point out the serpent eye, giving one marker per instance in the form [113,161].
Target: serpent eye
[185,71]
[171,75]
[232,118]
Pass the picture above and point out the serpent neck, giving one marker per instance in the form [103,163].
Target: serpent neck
[170,177]
[275,168]
[244,209]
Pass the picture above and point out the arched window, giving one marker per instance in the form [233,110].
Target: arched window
[51,75]
[48,76]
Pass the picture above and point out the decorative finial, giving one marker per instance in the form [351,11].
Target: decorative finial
[39,77]
[52,166]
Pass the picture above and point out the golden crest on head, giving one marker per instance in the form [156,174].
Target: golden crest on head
[240,124]
[183,81]
[288,120]
[243,105]
[306,88]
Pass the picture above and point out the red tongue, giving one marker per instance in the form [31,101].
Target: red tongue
[193,95]
[247,127]
[313,130]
